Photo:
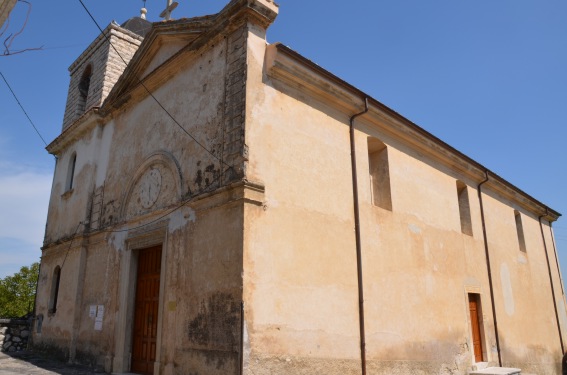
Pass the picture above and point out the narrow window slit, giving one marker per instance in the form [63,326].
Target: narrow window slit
[520,231]
[379,174]
[464,208]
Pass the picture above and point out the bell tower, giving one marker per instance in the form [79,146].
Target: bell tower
[98,68]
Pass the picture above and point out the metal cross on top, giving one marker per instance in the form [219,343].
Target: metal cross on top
[170,6]
[143,11]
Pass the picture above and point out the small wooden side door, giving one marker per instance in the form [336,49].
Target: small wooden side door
[146,311]
[475,326]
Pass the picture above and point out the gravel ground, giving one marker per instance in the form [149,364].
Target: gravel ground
[31,363]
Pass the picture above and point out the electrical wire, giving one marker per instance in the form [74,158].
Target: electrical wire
[184,202]
[22,107]
[180,205]
[70,243]
[150,93]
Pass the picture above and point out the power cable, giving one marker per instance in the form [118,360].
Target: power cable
[70,243]
[180,205]
[184,202]
[149,92]
[22,107]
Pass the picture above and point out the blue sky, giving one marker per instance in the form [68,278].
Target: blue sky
[488,77]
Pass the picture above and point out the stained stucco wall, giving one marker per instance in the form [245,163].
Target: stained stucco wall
[299,260]
[419,268]
[287,250]
[526,320]
[201,285]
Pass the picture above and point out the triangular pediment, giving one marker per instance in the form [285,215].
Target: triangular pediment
[169,42]
[165,40]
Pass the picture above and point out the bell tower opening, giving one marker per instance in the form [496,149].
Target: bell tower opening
[84,86]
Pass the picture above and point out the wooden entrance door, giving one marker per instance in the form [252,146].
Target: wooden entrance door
[475,325]
[146,311]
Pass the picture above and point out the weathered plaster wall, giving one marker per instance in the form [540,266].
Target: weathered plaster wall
[299,261]
[270,224]
[206,286]
[196,96]
[557,278]
[68,208]
[200,304]
[53,332]
[418,266]
[522,290]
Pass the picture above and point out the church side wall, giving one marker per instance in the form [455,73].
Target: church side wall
[421,270]
[557,278]
[522,289]
[300,283]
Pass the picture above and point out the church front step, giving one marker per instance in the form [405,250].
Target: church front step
[497,371]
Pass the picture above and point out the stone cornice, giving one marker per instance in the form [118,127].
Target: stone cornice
[239,192]
[245,191]
[83,124]
[294,70]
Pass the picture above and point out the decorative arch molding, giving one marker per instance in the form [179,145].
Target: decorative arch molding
[155,184]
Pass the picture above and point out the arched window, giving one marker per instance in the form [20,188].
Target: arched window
[84,85]
[54,290]
[71,172]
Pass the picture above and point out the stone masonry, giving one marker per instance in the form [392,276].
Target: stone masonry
[234,148]
[14,334]
[107,66]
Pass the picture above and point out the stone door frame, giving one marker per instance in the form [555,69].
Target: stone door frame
[137,240]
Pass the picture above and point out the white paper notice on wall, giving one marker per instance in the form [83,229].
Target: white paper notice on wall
[99,317]
[98,325]
[92,311]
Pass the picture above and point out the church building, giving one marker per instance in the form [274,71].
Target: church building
[224,206]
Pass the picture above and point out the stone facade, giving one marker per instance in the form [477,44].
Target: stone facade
[106,66]
[14,335]
[301,226]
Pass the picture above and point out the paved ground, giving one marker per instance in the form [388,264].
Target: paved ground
[30,363]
